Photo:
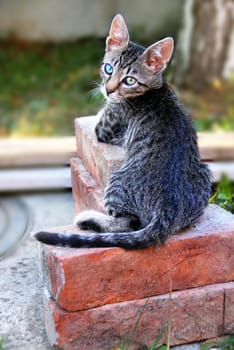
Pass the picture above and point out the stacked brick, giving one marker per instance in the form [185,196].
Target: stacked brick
[96,299]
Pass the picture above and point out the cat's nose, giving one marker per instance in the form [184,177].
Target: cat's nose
[111,86]
[109,91]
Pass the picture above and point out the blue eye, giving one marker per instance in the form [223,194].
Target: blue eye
[108,69]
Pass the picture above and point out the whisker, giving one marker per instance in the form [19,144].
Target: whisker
[96,94]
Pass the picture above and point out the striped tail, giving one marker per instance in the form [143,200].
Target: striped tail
[142,238]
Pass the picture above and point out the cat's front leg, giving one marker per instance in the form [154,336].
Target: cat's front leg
[103,134]
[110,128]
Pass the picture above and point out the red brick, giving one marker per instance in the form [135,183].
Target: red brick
[87,278]
[86,192]
[195,315]
[229,309]
[98,158]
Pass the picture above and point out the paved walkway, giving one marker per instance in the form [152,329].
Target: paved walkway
[21,323]
[21,312]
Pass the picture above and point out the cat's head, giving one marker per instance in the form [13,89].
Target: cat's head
[129,70]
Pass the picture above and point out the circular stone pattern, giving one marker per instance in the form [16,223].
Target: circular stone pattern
[14,222]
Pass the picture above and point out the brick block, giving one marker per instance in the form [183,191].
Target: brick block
[86,278]
[98,158]
[229,309]
[195,315]
[86,192]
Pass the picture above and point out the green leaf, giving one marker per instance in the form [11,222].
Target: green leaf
[207,346]
[162,347]
[222,196]
[157,340]
[122,345]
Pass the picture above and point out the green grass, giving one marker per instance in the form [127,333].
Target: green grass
[224,194]
[125,345]
[1,343]
[226,344]
[43,87]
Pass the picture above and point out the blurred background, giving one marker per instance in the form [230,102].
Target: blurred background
[50,52]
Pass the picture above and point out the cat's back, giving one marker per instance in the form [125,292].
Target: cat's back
[159,122]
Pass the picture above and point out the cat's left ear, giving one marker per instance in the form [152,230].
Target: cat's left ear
[118,35]
[158,55]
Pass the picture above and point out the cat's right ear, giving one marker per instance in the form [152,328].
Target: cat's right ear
[118,37]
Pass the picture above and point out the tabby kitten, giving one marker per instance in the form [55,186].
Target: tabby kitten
[162,186]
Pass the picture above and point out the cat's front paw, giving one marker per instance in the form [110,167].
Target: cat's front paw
[102,135]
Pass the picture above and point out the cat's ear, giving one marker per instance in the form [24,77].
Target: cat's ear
[118,35]
[158,55]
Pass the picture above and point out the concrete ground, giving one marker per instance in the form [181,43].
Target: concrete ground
[21,313]
[21,325]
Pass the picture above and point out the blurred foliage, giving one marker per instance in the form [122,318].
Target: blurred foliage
[225,344]
[213,109]
[224,194]
[43,87]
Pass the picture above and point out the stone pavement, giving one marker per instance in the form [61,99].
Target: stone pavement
[21,312]
[21,325]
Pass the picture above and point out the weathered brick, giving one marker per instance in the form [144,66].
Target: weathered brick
[229,309]
[86,192]
[98,158]
[87,278]
[195,314]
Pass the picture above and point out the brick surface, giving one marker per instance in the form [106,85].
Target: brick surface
[86,192]
[229,309]
[195,314]
[87,278]
[98,158]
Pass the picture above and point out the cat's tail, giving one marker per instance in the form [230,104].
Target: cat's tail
[148,236]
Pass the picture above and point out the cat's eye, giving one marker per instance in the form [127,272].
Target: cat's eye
[108,69]
[129,81]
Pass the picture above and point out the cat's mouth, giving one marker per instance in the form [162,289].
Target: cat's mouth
[117,97]
[114,96]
